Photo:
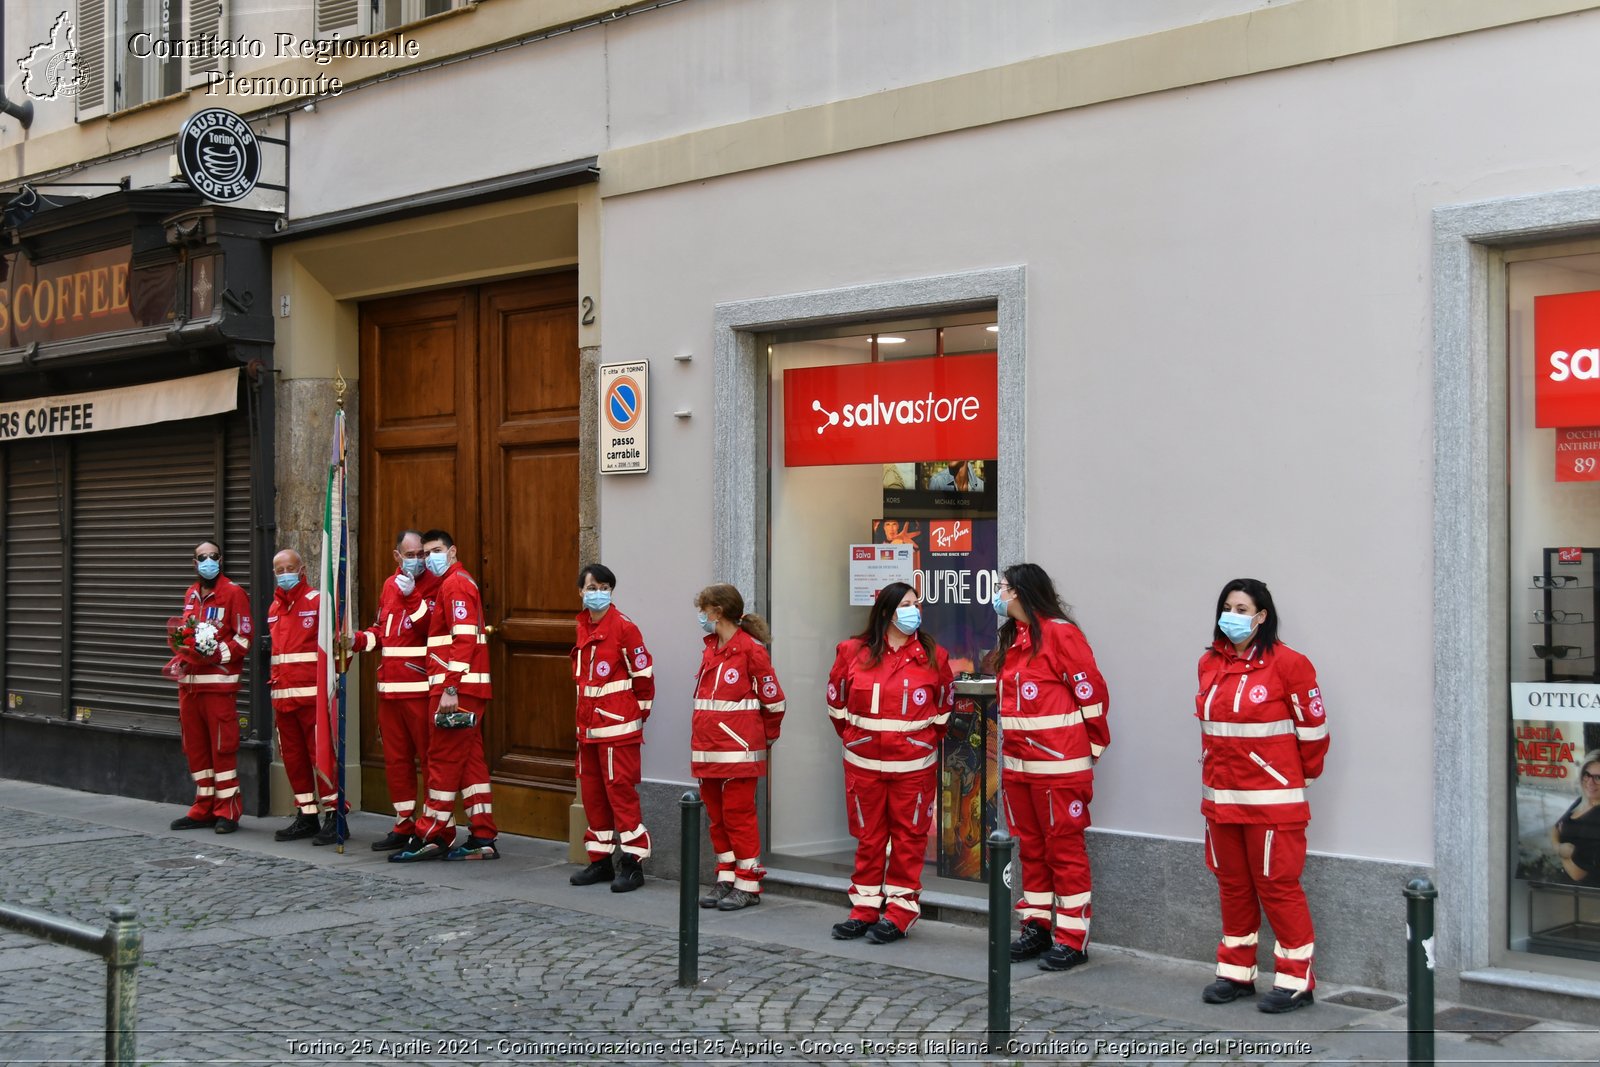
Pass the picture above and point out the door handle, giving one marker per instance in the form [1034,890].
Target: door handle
[489,631]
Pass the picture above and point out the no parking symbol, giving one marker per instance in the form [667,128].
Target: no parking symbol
[624,418]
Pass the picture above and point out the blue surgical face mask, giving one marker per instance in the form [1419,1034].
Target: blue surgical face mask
[412,568]
[907,619]
[706,624]
[209,569]
[597,599]
[438,562]
[999,604]
[287,582]
[1236,627]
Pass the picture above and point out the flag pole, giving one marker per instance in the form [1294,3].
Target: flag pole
[341,657]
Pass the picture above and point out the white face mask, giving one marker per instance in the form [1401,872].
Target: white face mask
[438,562]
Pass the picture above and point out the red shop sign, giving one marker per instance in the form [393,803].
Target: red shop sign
[891,412]
[1566,369]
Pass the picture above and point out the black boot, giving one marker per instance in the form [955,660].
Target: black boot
[303,826]
[329,834]
[630,875]
[598,871]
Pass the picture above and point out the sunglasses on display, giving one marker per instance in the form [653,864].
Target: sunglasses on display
[207,555]
[1558,616]
[1554,581]
[1558,652]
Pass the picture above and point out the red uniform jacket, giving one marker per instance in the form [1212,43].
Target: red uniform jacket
[738,708]
[615,678]
[458,649]
[228,609]
[1052,704]
[401,631]
[890,715]
[1262,735]
[292,626]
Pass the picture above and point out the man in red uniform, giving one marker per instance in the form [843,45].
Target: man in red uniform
[616,685]
[292,628]
[401,631]
[208,717]
[458,697]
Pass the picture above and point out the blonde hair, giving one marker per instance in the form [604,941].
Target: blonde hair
[726,599]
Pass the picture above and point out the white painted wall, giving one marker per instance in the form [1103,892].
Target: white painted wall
[1229,373]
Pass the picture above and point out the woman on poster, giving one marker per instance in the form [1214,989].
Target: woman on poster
[738,708]
[1576,835]
[889,696]
[1263,737]
[1052,703]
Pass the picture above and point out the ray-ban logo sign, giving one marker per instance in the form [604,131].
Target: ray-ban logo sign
[219,155]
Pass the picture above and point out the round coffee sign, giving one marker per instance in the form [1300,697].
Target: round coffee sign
[219,155]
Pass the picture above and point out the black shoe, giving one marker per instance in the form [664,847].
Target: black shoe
[1034,940]
[303,826]
[630,875]
[225,826]
[850,929]
[186,823]
[474,848]
[426,850]
[1062,958]
[1226,991]
[738,898]
[884,932]
[329,834]
[1279,1000]
[391,842]
[714,897]
[597,872]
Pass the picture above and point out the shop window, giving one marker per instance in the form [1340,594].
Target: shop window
[858,459]
[1553,606]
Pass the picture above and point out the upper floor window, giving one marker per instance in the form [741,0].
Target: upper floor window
[131,52]
[357,18]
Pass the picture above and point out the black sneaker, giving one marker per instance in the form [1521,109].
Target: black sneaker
[1279,1000]
[630,875]
[599,871]
[186,823]
[850,929]
[226,826]
[391,842]
[426,850]
[329,834]
[1226,991]
[884,932]
[474,848]
[1033,940]
[738,898]
[1062,958]
[714,897]
[303,826]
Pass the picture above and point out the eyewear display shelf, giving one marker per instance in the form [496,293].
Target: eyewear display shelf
[1569,614]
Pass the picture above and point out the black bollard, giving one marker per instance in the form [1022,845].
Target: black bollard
[1420,895]
[688,889]
[1001,845]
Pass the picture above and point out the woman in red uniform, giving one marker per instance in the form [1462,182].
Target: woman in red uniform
[738,707]
[1263,736]
[889,696]
[1052,706]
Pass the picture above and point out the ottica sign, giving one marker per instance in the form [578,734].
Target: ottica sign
[891,412]
[1566,345]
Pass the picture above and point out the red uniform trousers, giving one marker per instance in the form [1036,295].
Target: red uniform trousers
[609,778]
[404,725]
[1049,818]
[296,742]
[890,816]
[209,724]
[456,766]
[1258,868]
[735,830]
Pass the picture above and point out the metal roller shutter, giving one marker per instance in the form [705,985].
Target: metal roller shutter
[236,527]
[34,504]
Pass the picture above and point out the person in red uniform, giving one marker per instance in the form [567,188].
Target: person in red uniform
[616,686]
[738,709]
[292,629]
[458,699]
[1052,704]
[405,608]
[208,717]
[1263,736]
[889,696]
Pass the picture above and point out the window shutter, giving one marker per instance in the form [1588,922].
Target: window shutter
[92,36]
[35,489]
[347,18]
[208,20]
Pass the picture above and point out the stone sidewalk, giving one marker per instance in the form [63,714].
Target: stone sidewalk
[260,952]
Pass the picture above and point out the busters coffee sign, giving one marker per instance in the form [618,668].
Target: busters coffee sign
[219,155]
[891,412]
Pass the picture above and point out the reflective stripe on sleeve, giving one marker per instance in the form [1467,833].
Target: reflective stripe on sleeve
[600,732]
[1311,733]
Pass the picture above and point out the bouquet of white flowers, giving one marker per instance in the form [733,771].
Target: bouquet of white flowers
[192,641]
[205,638]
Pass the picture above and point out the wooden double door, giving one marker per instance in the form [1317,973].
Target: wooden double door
[469,423]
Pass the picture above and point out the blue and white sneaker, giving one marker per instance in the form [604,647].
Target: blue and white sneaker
[428,850]
[474,848]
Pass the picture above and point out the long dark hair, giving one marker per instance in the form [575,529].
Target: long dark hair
[1039,600]
[1266,634]
[876,635]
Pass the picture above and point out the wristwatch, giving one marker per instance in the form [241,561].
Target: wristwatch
[449,690]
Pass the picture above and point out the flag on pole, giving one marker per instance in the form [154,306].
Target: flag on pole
[333,622]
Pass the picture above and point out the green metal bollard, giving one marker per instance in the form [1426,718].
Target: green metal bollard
[124,948]
[1001,846]
[1420,895]
[688,889]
